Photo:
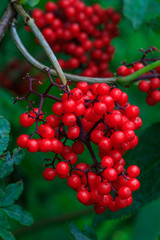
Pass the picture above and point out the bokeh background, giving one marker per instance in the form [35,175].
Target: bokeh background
[52,204]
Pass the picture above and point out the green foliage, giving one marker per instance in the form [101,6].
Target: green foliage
[30,3]
[7,161]
[139,11]
[135,11]
[149,215]
[87,234]
[147,156]
[4,134]
[10,193]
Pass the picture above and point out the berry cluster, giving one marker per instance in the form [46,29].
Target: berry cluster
[17,69]
[83,33]
[150,83]
[89,115]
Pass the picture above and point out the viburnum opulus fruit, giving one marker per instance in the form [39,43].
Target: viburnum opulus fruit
[83,33]
[89,115]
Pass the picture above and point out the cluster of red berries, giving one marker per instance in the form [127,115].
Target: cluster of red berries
[150,86]
[17,69]
[83,33]
[97,114]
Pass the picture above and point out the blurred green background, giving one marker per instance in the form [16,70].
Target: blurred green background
[52,204]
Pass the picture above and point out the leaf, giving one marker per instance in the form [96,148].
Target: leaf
[30,3]
[4,227]
[4,134]
[147,156]
[18,155]
[7,162]
[135,11]
[17,213]
[147,223]
[10,193]
[77,233]
[6,235]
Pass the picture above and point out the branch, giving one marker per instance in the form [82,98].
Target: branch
[51,221]
[37,64]
[5,20]
[30,22]
[136,76]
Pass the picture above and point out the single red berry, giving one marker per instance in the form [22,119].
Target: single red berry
[107,162]
[83,196]
[22,141]
[133,171]
[57,108]
[78,147]
[62,168]
[73,132]
[110,174]
[49,174]
[124,192]
[99,209]
[45,145]
[133,184]
[25,120]
[71,157]
[32,145]
[104,188]
[53,120]
[74,181]
[144,86]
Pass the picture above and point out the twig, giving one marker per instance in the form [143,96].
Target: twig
[30,22]
[5,20]
[43,67]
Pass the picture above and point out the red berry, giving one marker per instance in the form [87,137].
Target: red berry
[25,120]
[49,174]
[62,168]
[133,171]
[32,145]
[22,141]
[124,192]
[83,196]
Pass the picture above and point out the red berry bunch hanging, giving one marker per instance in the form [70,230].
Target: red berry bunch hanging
[149,83]
[83,33]
[88,115]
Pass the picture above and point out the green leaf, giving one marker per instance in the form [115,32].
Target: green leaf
[147,223]
[135,11]
[6,235]
[18,155]
[77,233]
[10,194]
[4,134]
[30,3]
[7,162]
[4,227]
[147,156]
[17,213]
